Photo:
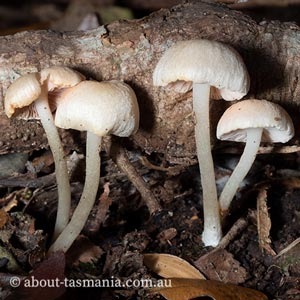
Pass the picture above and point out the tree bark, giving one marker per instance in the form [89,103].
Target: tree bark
[129,51]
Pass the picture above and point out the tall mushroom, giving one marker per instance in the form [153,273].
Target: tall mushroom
[251,121]
[100,108]
[27,98]
[200,64]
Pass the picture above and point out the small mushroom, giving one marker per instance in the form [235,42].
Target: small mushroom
[202,64]
[27,98]
[251,121]
[100,108]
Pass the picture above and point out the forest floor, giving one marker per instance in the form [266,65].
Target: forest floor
[120,230]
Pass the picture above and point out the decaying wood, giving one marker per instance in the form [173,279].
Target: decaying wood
[129,50]
[119,155]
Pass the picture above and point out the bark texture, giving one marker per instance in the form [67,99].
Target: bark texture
[129,50]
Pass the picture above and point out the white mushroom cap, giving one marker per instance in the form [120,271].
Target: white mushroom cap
[100,107]
[57,77]
[22,92]
[277,124]
[203,61]
[27,88]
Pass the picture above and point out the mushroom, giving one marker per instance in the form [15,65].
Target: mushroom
[251,121]
[100,108]
[27,98]
[200,65]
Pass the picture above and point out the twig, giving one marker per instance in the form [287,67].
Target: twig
[26,181]
[119,155]
[170,170]
[289,247]
[234,231]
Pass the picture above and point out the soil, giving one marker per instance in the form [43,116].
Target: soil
[127,231]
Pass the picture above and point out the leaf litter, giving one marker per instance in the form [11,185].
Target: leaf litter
[188,283]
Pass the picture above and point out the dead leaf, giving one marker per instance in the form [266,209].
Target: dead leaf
[221,265]
[12,200]
[50,270]
[167,235]
[171,266]
[186,289]
[11,204]
[264,222]
[40,163]
[9,201]
[83,251]
[3,218]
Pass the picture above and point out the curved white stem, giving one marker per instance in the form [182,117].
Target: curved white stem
[212,222]
[86,202]
[61,171]
[242,168]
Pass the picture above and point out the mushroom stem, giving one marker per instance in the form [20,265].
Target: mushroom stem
[212,232]
[86,202]
[242,168]
[61,171]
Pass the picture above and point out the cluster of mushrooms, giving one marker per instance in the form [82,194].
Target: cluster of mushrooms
[215,70]
[110,108]
[56,96]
